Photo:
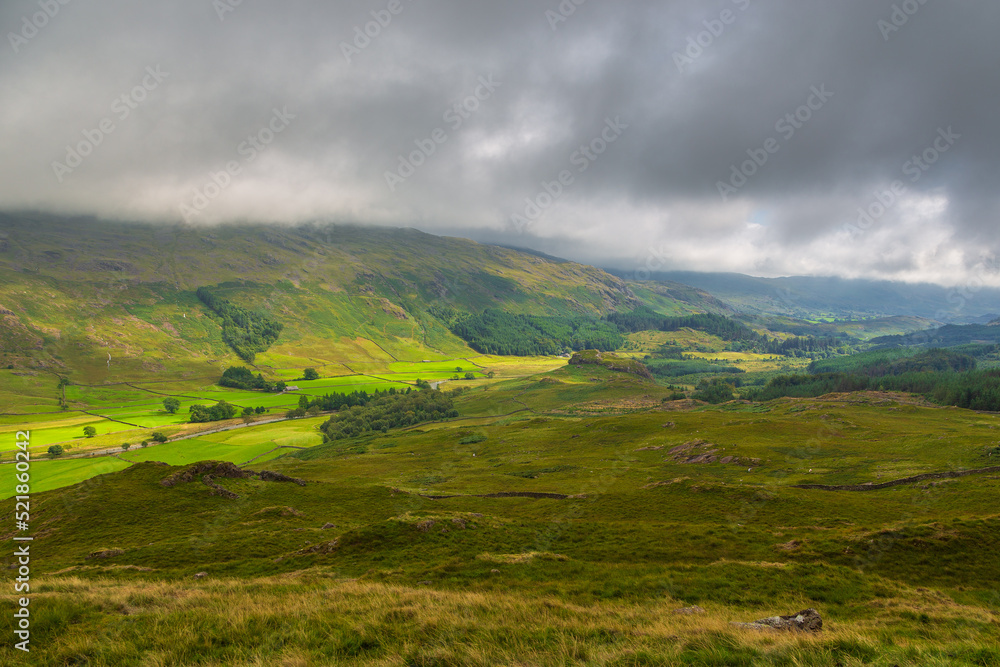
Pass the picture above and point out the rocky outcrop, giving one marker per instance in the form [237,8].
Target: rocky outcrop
[611,361]
[807,620]
[268,476]
[216,489]
[701,452]
[209,470]
[212,468]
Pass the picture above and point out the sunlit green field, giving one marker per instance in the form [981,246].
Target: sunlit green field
[191,451]
[46,475]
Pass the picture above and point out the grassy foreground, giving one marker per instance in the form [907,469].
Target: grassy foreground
[303,620]
[562,519]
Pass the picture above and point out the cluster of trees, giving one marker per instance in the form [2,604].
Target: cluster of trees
[881,363]
[942,376]
[241,377]
[741,337]
[218,412]
[330,402]
[389,411]
[949,335]
[247,332]
[496,332]
[670,368]
[716,390]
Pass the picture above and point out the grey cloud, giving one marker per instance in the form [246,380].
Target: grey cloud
[655,187]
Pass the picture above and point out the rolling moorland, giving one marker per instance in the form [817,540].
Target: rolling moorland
[578,507]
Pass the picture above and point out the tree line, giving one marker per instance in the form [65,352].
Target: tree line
[497,332]
[247,332]
[390,410]
[331,402]
[942,376]
[241,377]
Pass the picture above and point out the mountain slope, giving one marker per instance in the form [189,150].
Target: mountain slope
[73,292]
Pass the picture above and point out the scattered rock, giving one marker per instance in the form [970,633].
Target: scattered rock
[322,548]
[807,620]
[702,458]
[669,425]
[495,571]
[327,526]
[201,575]
[269,476]
[426,525]
[216,489]
[688,611]
[106,553]
[789,546]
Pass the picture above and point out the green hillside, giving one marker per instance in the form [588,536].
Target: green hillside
[73,292]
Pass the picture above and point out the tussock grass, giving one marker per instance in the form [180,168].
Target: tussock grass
[314,618]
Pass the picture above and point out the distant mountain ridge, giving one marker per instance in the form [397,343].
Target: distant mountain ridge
[809,297]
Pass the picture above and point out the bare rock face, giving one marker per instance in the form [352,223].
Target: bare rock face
[807,620]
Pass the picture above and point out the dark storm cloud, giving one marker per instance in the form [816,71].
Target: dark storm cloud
[806,111]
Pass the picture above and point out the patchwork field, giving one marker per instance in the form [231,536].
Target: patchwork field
[131,411]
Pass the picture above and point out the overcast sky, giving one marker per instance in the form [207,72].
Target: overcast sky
[721,135]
